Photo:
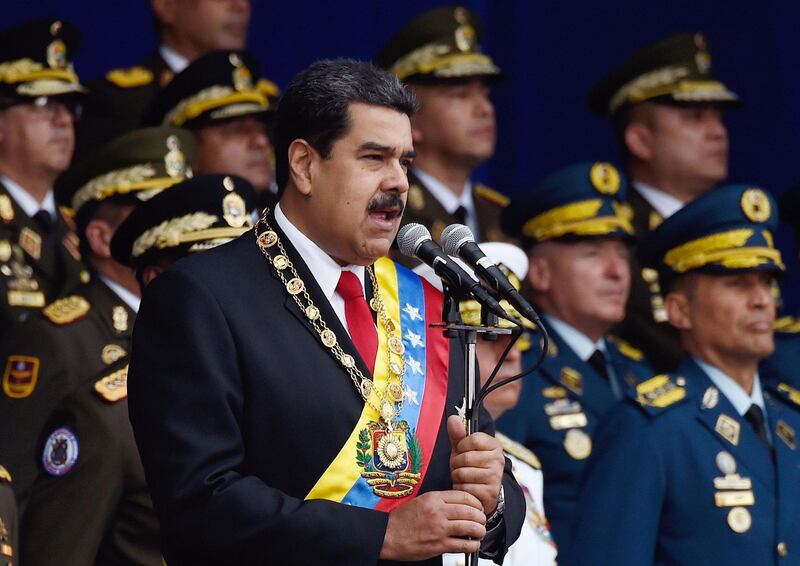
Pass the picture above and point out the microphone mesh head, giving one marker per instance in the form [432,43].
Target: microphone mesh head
[410,237]
[455,236]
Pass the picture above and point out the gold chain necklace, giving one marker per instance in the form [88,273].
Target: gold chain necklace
[390,400]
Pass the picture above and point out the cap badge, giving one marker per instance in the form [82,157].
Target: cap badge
[174,160]
[57,54]
[242,79]
[466,38]
[604,178]
[756,205]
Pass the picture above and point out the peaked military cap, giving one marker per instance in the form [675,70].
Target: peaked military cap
[727,230]
[674,69]
[579,201]
[789,209]
[137,165]
[195,215]
[440,45]
[217,86]
[36,60]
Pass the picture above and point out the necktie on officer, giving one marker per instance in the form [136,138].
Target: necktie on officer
[359,318]
[598,362]
[755,416]
[45,221]
[460,214]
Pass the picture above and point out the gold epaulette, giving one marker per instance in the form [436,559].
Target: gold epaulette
[789,393]
[66,310]
[518,451]
[66,212]
[626,349]
[268,88]
[491,195]
[659,392]
[4,475]
[130,78]
[114,386]
[787,324]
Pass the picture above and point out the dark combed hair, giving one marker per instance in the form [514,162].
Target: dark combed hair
[315,106]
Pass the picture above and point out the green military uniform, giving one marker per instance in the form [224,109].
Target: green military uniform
[46,356]
[39,259]
[677,71]
[441,46]
[8,520]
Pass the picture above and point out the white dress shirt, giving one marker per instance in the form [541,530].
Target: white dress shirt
[449,200]
[174,60]
[738,397]
[28,203]
[325,270]
[663,203]
[128,298]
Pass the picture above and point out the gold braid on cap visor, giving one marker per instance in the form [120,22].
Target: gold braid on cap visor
[579,218]
[727,249]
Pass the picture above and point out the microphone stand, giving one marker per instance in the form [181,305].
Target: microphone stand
[453,327]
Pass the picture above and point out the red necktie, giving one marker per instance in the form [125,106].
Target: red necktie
[359,318]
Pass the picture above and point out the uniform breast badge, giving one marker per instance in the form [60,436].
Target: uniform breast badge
[390,459]
[734,492]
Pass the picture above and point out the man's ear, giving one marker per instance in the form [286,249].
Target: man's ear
[539,273]
[302,158]
[639,141]
[676,303]
[98,236]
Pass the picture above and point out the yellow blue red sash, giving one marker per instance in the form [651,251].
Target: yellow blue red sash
[412,304]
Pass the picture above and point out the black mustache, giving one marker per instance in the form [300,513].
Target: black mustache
[389,200]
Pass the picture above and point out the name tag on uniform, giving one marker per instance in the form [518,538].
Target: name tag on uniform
[734,498]
[561,422]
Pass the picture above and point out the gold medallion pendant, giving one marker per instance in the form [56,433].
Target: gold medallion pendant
[390,459]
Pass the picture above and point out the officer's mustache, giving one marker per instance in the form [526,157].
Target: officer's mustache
[387,202]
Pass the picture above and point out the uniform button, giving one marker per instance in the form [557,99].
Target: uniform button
[783,550]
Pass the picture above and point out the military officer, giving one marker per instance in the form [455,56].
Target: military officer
[535,545]
[576,226]
[217,97]
[666,108]
[186,30]
[709,453]
[8,520]
[79,334]
[40,97]
[785,362]
[88,441]
[438,55]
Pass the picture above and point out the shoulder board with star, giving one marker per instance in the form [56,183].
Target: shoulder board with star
[627,349]
[787,325]
[66,310]
[131,77]
[4,475]
[518,451]
[660,393]
[485,193]
[113,387]
[787,393]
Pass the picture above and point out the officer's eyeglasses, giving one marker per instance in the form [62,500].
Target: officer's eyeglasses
[48,107]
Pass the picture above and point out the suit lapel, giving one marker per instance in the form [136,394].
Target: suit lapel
[726,426]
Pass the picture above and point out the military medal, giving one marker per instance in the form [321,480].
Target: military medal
[739,520]
[120,317]
[578,444]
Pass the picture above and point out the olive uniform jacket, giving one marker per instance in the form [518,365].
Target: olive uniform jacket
[238,410]
[423,208]
[118,101]
[656,338]
[45,358]
[33,270]
[90,503]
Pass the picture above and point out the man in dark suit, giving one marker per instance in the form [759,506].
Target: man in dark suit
[40,98]
[186,30]
[667,110]
[438,55]
[281,421]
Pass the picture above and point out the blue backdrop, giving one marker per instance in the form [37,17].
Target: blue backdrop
[551,51]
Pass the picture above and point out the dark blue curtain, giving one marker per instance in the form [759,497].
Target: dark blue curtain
[552,53]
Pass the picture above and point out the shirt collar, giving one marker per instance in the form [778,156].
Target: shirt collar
[27,202]
[447,198]
[127,297]
[738,397]
[581,344]
[665,204]
[324,269]
[173,59]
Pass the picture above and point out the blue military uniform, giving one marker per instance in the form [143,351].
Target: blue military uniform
[558,412]
[784,364]
[703,476]
[562,402]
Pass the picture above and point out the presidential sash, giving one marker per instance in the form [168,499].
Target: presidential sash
[379,468]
